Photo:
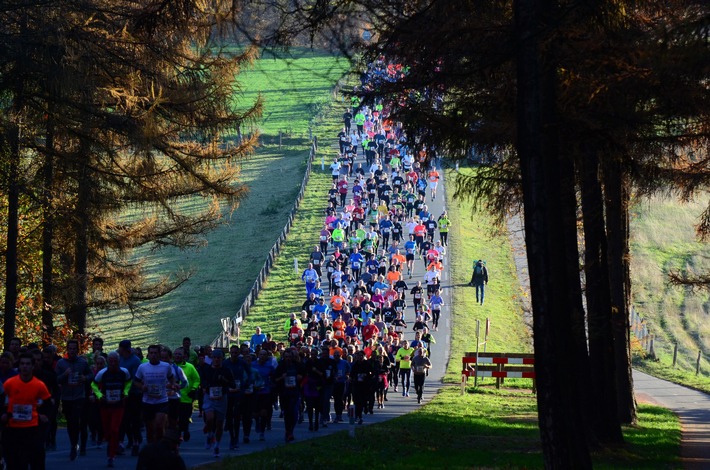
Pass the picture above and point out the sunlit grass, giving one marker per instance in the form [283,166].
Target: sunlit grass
[488,429]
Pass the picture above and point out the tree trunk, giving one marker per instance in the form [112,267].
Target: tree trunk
[79,309]
[617,196]
[606,424]
[13,202]
[561,424]
[48,232]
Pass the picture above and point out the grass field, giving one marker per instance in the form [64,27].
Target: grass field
[225,268]
[663,239]
[479,430]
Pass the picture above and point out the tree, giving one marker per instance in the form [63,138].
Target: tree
[135,104]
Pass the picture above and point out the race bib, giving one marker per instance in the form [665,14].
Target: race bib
[419,369]
[155,390]
[314,333]
[238,384]
[323,238]
[399,328]
[290,381]
[215,393]
[294,335]
[22,412]
[316,262]
[361,377]
[113,396]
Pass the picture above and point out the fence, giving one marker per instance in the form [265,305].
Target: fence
[231,325]
[655,346]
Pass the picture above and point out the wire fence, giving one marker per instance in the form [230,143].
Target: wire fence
[656,347]
[231,325]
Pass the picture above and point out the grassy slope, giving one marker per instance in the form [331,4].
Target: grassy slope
[473,237]
[226,267]
[663,239]
[283,292]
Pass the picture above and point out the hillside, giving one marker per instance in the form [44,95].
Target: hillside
[663,240]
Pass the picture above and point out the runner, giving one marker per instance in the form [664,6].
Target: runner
[435,304]
[73,374]
[188,395]
[404,359]
[433,182]
[287,378]
[217,382]
[361,373]
[111,386]
[420,365]
[444,226]
[27,403]
[155,378]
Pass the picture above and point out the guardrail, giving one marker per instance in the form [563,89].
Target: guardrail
[231,325]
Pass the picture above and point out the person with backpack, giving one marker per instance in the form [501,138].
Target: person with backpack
[479,279]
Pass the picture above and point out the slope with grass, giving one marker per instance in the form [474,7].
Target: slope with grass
[663,240]
[473,236]
[224,268]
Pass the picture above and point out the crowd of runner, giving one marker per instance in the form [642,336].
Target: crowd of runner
[365,330]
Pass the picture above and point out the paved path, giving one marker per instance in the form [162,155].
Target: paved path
[194,453]
[693,409]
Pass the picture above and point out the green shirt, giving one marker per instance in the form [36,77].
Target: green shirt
[338,235]
[444,224]
[401,355]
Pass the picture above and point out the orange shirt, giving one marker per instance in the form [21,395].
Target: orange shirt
[22,398]
[337,302]
[339,327]
[398,259]
[436,265]
[419,230]
[393,276]
[434,176]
